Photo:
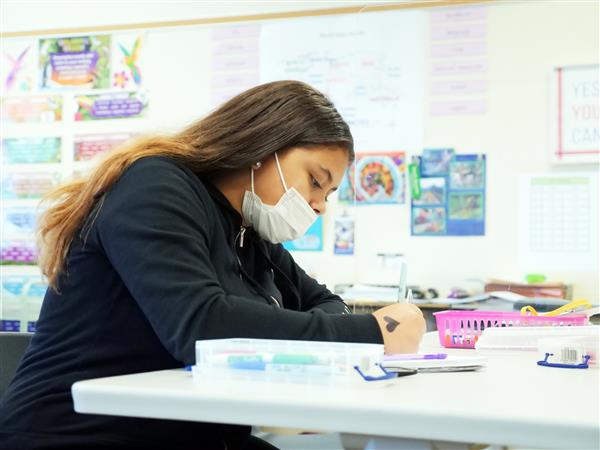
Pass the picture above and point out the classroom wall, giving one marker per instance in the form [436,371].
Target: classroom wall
[525,41]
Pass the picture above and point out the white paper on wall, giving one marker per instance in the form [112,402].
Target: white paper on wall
[370,65]
[559,222]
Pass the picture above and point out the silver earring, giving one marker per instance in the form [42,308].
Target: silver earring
[257,165]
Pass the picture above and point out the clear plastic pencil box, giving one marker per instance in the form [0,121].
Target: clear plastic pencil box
[282,360]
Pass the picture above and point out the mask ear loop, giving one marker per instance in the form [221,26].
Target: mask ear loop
[252,178]
[280,172]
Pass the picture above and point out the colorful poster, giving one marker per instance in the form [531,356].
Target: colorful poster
[375,178]
[436,162]
[311,241]
[127,61]
[467,173]
[429,221]
[110,106]
[31,150]
[18,220]
[452,204]
[433,191]
[86,147]
[81,62]
[17,252]
[24,185]
[466,196]
[18,67]
[343,236]
[465,205]
[41,108]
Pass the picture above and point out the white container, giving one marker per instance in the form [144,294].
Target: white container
[283,360]
[528,338]
[570,350]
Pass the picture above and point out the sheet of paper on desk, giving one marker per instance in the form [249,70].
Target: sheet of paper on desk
[503,295]
[370,292]
[451,363]
[452,301]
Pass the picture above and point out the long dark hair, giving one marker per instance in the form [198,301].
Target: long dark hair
[248,128]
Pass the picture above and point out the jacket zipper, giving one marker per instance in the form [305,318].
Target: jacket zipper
[242,232]
[240,236]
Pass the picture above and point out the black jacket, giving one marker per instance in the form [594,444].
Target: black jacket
[161,266]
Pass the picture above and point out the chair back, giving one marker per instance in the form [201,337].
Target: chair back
[12,349]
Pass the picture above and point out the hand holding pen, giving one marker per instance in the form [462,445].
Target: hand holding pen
[402,326]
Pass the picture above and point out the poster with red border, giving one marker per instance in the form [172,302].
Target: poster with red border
[577,114]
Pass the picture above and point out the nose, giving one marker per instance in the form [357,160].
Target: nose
[318,206]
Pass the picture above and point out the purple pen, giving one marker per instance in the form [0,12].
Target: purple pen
[414,356]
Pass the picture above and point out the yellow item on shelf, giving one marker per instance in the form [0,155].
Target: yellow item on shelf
[569,307]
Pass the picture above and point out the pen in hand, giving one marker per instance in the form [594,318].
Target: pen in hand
[402,283]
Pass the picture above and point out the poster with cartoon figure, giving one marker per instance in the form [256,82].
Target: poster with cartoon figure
[127,53]
[18,67]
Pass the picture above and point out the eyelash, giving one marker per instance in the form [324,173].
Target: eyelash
[317,185]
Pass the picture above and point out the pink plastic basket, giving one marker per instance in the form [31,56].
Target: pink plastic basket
[461,329]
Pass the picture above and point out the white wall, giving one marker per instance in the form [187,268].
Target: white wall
[525,41]
[27,15]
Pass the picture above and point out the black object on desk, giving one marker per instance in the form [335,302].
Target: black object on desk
[542,304]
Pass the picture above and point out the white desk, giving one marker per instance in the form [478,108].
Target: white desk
[511,402]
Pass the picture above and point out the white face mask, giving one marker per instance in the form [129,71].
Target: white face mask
[289,219]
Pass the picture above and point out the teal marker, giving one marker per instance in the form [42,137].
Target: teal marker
[260,361]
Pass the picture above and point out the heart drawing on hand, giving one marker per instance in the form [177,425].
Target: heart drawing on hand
[391,324]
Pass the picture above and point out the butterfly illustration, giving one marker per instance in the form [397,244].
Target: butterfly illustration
[131,61]
[17,65]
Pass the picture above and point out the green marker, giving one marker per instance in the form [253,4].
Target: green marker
[414,178]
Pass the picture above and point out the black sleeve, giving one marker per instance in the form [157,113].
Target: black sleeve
[156,232]
[312,294]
